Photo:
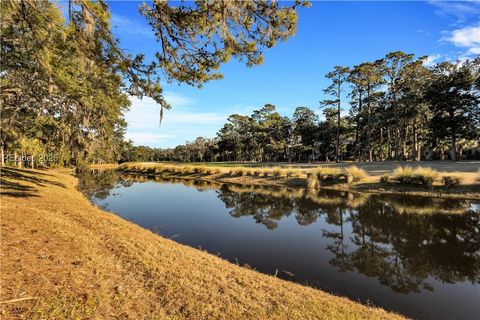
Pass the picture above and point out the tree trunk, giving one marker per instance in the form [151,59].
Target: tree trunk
[416,149]
[355,157]
[369,132]
[337,144]
[3,156]
[357,129]
[381,143]
[32,162]
[404,142]
[19,164]
[453,152]
[389,148]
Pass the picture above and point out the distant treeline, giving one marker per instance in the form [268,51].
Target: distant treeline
[397,108]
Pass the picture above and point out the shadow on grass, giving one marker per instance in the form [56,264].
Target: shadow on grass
[11,182]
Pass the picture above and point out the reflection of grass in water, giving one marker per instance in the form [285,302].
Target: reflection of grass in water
[352,201]
[339,198]
[324,200]
[280,192]
[357,200]
[428,207]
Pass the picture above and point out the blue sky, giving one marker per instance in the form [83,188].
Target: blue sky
[328,34]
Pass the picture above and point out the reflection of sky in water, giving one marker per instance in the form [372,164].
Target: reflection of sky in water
[475,206]
[369,248]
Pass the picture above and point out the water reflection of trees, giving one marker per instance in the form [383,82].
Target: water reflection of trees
[385,239]
[403,250]
[401,241]
[98,184]
[264,209]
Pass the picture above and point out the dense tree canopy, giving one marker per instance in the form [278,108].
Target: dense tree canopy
[65,81]
[60,88]
[399,109]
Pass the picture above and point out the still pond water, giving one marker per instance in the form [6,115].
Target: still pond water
[416,256]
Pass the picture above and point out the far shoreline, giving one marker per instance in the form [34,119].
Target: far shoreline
[469,189]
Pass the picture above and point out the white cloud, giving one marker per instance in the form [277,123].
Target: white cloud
[475,50]
[176,100]
[467,37]
[185,121]
[145,113]
[432,60]
[459,9]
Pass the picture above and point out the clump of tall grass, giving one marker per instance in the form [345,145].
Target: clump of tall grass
[328,174]
[197,169]
[355,174]
[404,175]
[256,172]
[452,180]
[178,169]
[186,169]
[289,172]
[215,170]
[240,171]
[424,176]
[165,168]
[277,171]
[150,170]
[312,181]
[292,172]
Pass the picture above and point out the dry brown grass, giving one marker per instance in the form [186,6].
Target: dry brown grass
[81,262]
[327,177]
[104,166]
[355,174]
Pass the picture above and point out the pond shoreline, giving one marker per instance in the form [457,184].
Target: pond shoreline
[370,184]
[93,263]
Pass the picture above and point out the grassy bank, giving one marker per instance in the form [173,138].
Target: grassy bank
[418,181]
[68,259]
